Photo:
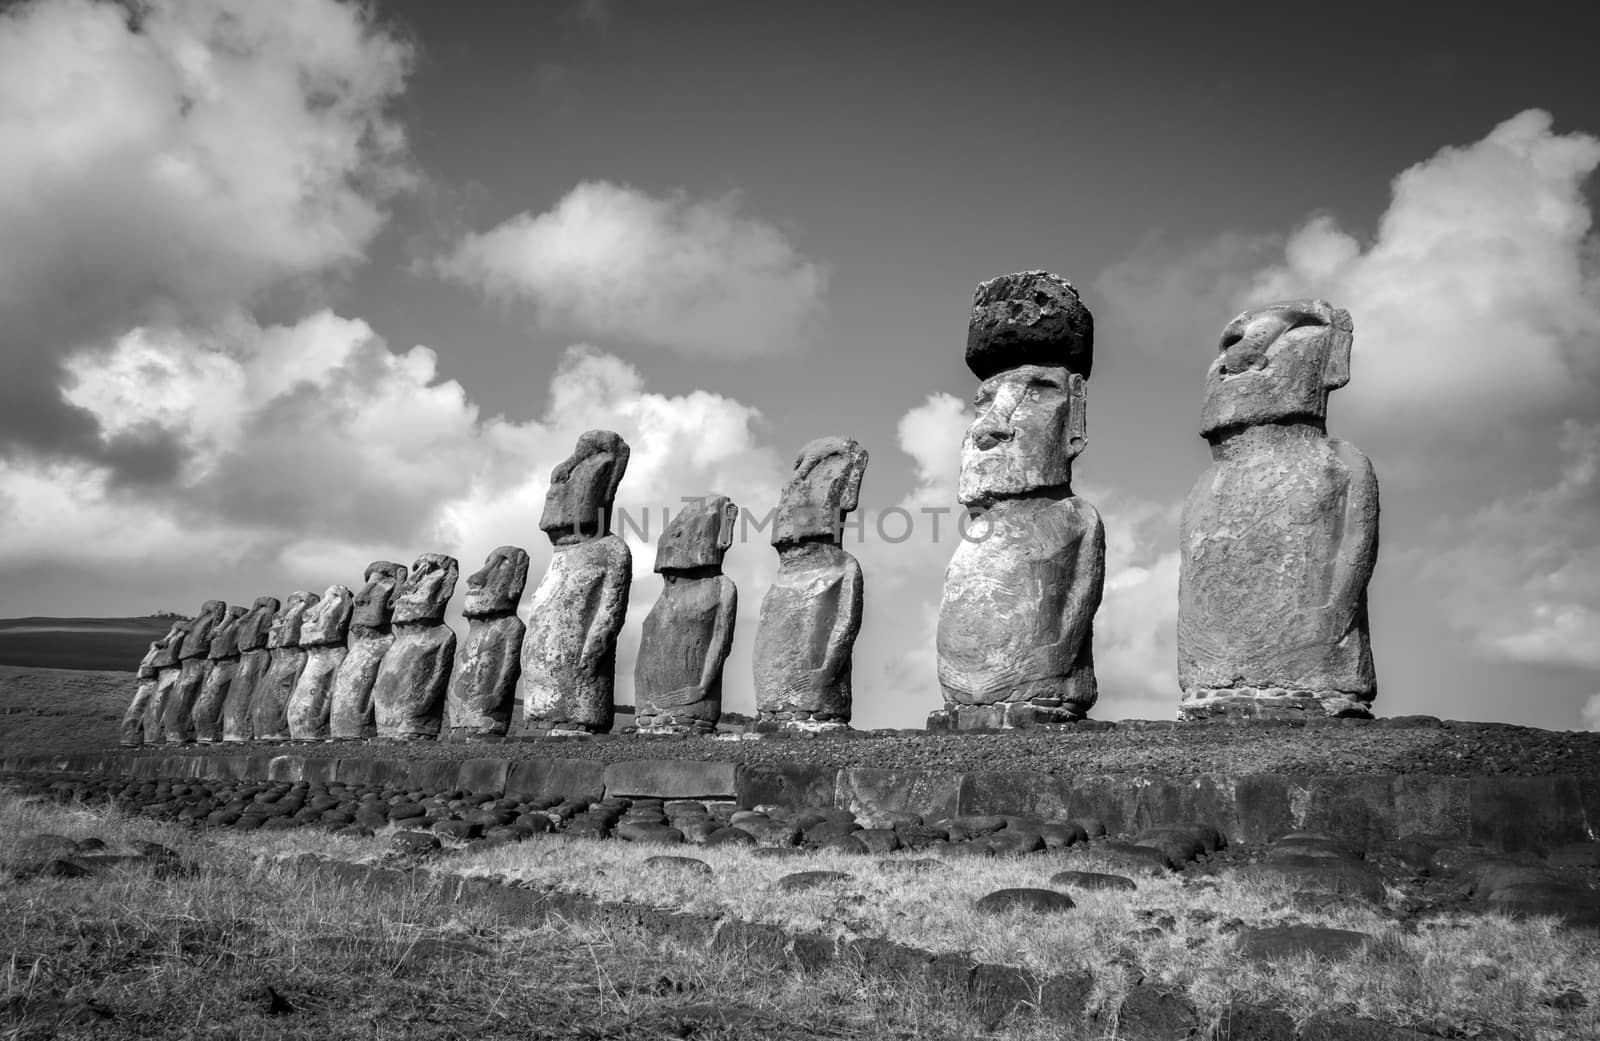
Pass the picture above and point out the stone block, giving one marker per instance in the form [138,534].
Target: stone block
[671,779]
[227,767]
[320,771]
[582,779]
[257,767]
[432,775]
[286,768]
[1429,805]
[933,794]
[786,784]
[1526,813]
[147,767]
[484,776]
[1356,807]
[1263,807]
[373,773]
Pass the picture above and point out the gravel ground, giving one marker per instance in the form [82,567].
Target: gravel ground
[1401,746]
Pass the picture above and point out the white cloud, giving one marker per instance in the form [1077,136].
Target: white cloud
[1591,713]
[612,262]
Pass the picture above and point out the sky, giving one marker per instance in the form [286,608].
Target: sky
[289,287]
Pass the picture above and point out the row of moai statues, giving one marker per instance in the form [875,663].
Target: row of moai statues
[1278,540]
[383,663]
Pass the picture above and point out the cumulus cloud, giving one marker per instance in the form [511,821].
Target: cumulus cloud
[171,162]
[1591,713]
[611,262]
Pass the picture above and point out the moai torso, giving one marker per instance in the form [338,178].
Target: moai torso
[689,630]
[270,699]
[133,720]
[811,615]
[1015,635]
[322,635]
[1279,536]
[408,696]
[238,721]
[178,713]
[222,665]
[569,651]
[350,712]
[484,688]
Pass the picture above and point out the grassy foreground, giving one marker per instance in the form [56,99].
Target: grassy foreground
[236,945]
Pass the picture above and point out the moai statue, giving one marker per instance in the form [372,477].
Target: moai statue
[350,712]
[177,718]
[677,679]
[269,702]
[1279,537]
[1015,636]
[133,719]
[484,688]
[166,664]
[812,613]
[238,723]
[413,681]
[222,665]
[322,635]
[569,654]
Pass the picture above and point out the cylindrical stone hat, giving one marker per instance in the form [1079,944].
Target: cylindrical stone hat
[1029,318]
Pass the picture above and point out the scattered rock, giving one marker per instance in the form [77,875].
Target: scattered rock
[804,880]
[1091,880]
[414,842]
[1291,941]
[1039,901]
[689,864]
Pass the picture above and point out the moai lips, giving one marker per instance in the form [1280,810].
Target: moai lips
[1016,620]
[177,721]
[689,631]
[569,651]
[812,613]
[1279,536]
[322,635]
[408,696]
[270,700]
[483,690]
[350,712]
[222,665]
[238,723]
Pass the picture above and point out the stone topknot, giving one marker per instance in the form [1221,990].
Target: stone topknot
[1028,318]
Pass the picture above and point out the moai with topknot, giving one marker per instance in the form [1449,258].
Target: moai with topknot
[677,679]
[350,715]
[222,665]
[144,693]
[1279,536]
[322,634]
[812,613]
[269,710]
[483,691]
[1015,634]
[177,719]
[570,650]
[413,681]
[255,628]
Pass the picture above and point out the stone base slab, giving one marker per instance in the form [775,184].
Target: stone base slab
[1007,716]
[1270,703]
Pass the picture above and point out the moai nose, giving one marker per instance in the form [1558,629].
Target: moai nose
[992,430]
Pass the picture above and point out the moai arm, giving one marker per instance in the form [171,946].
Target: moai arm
[1088,586]
[606,621]
[1357,552]
[721,634]
[846,624]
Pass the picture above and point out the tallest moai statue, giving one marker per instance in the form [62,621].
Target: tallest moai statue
[1280,535]
[1015,625]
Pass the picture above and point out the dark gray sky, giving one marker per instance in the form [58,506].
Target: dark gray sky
[765,222]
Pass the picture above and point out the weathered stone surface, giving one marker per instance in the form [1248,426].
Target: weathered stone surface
[1292,941]
[350,712]
[812,613]
[1021,591]
[689,631]
[579,779]
[408,696]
[484,687]
[238,721]
[867,790]
[1036,901]
[133,720]
[671,779]
[786,784]
[155,711]
[1091,880]
[322,634]
[222,664]
[269,711]
[177,722]
[1279,537]
[800,881]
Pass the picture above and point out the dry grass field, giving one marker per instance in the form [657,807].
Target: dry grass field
[61,710]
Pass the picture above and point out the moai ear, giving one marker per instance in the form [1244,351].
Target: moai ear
[1077,414]
[619,466]
[855,469]
[730,517]
[1341,334]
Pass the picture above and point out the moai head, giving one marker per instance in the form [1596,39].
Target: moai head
[256,625]
[197,639]
[496,587]
[1277,363]
[225,637]
[699,536]
[285,631]
[1031,341]
[328,621]
[825,485]
[374,605]
[582,488]
[163,652]
[427,589]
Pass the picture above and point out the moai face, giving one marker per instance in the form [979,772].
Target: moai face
[825,485]
[1277,363]
[374,605]
[328,621]
[225,637]
[285,631]
[496,587]
[699,536]
[197,640]
[256,625]
[583,487]
[163,651]
[427,589]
